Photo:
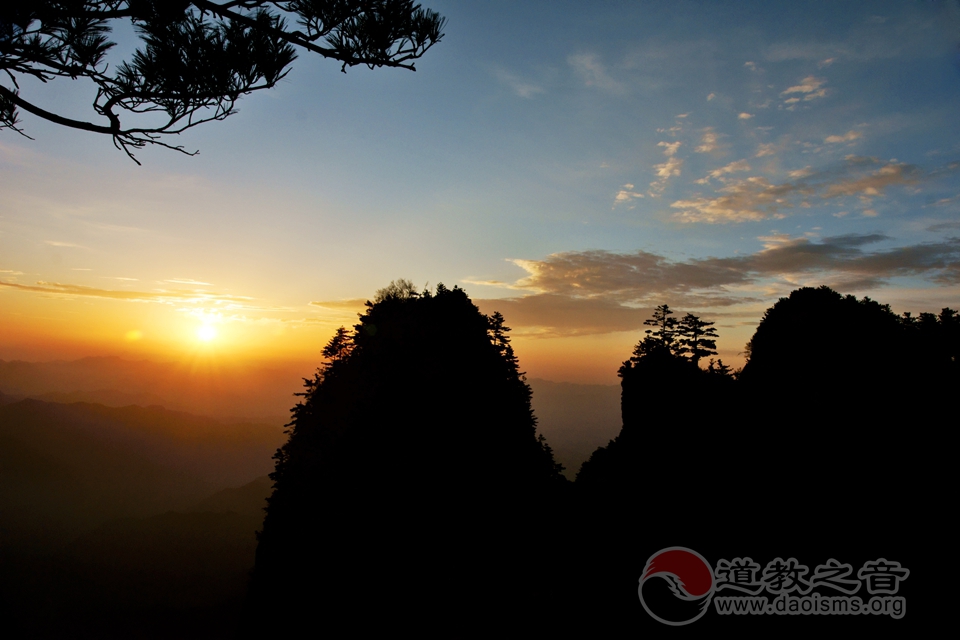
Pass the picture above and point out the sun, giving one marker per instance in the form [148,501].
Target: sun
[206,333]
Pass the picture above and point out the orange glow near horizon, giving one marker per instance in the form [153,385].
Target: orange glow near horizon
[49,327]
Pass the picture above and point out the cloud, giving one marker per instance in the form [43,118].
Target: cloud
[849,136]
[671,148]
[57,243]
[766,149]
[718,174]
[875,182]
[708,142]
[188,281]
[907,35]
[575,293]
[942,202]
[518,85]
[665,171]
[756,198]
[744,116]
[753,198]
[351,306]
[589,68]
[630,277]
[711,96]
[551,315]
[810,84]
[161,296]
[944,226]
[810,87]
[750,65]
[626,195]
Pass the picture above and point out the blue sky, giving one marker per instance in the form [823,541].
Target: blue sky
[571,164]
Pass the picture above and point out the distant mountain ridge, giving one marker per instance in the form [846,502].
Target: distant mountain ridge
[67,467]
[106,397]
[575,418]
[224,390]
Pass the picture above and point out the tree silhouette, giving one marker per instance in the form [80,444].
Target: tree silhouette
[196,57]
[412,459]
[697,338]
[339,346]
[665,328]
[720,369]
[399,289]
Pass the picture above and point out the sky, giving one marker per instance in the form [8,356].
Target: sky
[572,165]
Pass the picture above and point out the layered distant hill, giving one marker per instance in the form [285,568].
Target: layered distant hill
[575,418]
[223,390]
[113,512]
[70,466]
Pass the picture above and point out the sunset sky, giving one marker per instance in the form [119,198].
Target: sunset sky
[569,164]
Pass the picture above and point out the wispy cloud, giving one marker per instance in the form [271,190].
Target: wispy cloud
[666,170]
[849,136]
[944,226]
[756,198]
[593,73]
[719,174]
[188,281]
[349,306]
[161,296]
[753,198]
[520,86]
[765,149]
[874,182]
[708,141]
[810,88]
[57,243]
[670,148]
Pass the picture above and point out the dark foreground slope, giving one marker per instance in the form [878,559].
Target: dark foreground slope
[413,492]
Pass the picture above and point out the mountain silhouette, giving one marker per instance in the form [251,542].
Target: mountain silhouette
[413,481]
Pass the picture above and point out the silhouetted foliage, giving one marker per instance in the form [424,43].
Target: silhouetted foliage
[663,391]
[720,369]
[339,347]
[696,338]
[398,289]
[665,331]
[829,443]
[197,57]
[413,474]
[817,338]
